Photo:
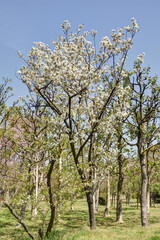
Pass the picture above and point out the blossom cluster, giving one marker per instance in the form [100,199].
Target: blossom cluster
[70,77]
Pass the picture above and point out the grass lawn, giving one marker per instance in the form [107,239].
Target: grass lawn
[74,225]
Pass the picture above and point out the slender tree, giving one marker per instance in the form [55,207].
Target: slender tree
[145,106]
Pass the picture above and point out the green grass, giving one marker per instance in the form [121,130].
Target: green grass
[74,225]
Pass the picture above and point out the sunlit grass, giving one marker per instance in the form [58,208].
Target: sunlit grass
[74,225]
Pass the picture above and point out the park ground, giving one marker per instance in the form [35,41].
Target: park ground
[74,225]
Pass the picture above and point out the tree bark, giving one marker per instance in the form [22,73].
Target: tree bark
[52,205]
[119,200]
[120,182]
[91,209]
[141,147]
[148,196]
[96,199]
[144,219]
[60,184]
[113,203]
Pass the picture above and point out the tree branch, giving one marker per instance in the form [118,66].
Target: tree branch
[19,220]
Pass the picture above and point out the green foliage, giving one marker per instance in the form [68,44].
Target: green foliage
[155,238]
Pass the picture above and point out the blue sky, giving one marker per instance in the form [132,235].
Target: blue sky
[24,21]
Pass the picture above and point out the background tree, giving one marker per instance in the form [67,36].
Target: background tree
[145,106]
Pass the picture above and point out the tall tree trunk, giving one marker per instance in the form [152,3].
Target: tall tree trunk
[148,178]
[91,209]
[138,198]
[96,199]
[144,219]
[113,203]
[120,182]
[148,196]
[84,178]
[60,184]
[51,201]
[119,200]
[128,198]
[34,206]
[36,190]
[107,209]
[153,199]
[141,147]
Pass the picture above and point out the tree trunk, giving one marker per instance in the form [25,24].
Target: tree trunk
[119,200]
[141,154]
[72,202]
[113,203]
[144,219]
[127,198]
[36,178]
[107,209]
[153,199]
[138,198]
[120,182]
[96,199]
[51,201]
[91,209]
[60,183]
[148,196]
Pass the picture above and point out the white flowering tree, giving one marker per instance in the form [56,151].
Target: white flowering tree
[69,79]
[145,98]
[121,113]
[5,145]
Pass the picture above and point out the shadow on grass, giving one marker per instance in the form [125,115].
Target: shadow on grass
[153,220]
[75,219]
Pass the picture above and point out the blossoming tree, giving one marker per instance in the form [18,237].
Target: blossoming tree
[69,79]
